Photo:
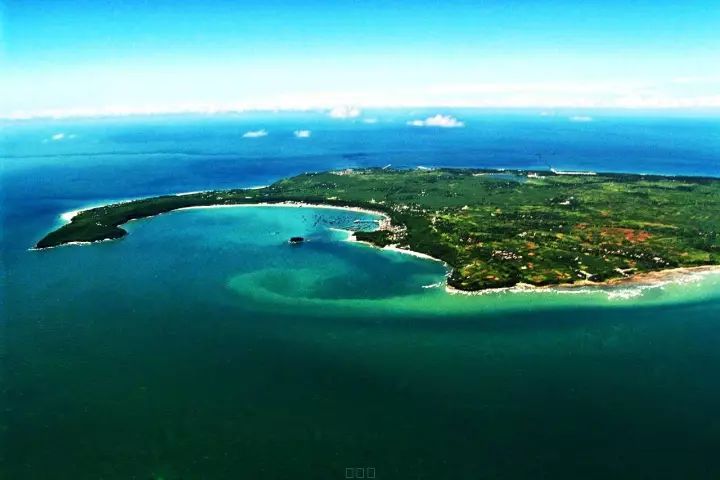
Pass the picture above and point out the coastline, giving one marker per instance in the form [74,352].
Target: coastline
[384,224]
[413,253]
[69,244]
[388,248]
[290,205]
[193,192]
[393,248]
[642,279]
[68,216]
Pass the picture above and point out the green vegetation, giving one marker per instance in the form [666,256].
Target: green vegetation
[494,228]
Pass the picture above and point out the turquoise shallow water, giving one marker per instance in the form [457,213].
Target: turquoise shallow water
[204,346]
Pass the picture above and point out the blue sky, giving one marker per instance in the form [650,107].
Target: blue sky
[153,55]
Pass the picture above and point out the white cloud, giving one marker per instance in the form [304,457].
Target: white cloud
[686,92]
[370,120]
[581,118]
[302,133]
[713,79]
[255,133]
[345,112]
[58,136]
[445,121]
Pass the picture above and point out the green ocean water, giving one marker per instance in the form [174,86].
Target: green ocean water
[203,346]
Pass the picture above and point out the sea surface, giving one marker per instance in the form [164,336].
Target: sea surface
[204,346]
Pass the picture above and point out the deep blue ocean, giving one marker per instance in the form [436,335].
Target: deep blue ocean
[202,347]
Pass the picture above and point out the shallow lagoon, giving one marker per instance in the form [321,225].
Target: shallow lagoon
[203,345]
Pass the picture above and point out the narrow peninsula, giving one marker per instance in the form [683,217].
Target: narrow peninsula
[493,228]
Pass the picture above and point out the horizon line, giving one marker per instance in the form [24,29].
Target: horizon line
[544,110]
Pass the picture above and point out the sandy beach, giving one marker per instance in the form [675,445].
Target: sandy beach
[644,279]
[389,248]
[292,205]
[637,281]
[68,216]
[395,248]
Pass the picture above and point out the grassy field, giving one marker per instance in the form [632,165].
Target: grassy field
[494,228]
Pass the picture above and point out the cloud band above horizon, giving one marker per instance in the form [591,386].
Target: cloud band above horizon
[67,58]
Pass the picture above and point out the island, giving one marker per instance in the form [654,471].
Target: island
[493,228]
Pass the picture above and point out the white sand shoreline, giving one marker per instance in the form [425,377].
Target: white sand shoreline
[395,248]
[68,216]
[623,287]
[388,248]
[636,282]
[290,205]
[193,192]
